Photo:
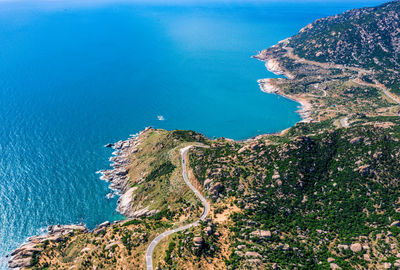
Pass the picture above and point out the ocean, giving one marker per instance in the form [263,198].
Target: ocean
[74,77]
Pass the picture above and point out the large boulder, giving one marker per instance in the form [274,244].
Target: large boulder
[356,247]
[261,233]
[207,182]
[252,254]
[387,265]
[198,240]
[395,223]
[334,266]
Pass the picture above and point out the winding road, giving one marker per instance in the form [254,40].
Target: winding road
[153,244]
[360,72]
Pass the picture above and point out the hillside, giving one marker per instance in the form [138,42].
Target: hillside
[323,194]
[367,39]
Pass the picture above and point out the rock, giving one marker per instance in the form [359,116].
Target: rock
[104,224]
[274,66]
[344,247]
[198,240]
[87,249]
[208,230]
[125,202]
[207,182]
[144,212]
[152,212]
[254,146]
[366,257]
[239,253]
[121,172]
[109,246]
[334,266]
[99,231]
[253,254]
[364,169]
[118,177]
[276,176]
[110,195]
[254,261]
[330,260]
[285,247]
[356,247]
[396,223]
[65,228]
[387,265]
[241,150]
[109,145]
[355,140]
[19,263]
[261,233]
[377,155]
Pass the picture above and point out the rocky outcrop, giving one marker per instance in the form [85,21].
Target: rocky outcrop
[272,61]
[118,176]
[198,241]
[274,66]
[261,233]
[395,223]
[334,266]
[356,247]
[23,256]
[252,254]
[268,86]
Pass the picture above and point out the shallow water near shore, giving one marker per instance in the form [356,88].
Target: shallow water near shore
[75,77]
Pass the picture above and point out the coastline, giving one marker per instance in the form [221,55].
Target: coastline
[23,256]
[118,175]
[267,85]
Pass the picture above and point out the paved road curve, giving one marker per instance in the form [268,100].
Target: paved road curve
[153,244]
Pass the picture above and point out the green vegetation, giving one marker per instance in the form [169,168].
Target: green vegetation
[363,38]
[336,186]
[161,170]
[320,195]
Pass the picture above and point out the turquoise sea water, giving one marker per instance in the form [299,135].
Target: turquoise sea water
[74,77]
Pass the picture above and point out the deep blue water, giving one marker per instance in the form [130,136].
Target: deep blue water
[74,77]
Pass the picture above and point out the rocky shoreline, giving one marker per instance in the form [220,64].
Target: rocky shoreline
[24,256]
[118,176]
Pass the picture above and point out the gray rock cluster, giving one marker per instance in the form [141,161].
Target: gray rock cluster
[22,257]
[118,175]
